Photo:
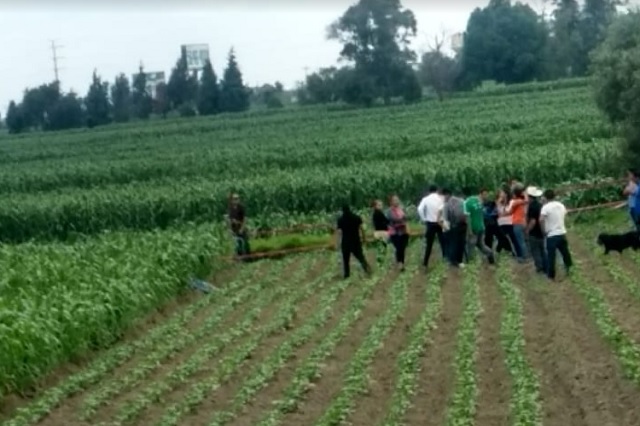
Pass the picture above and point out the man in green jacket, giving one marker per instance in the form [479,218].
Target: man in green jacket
[473,209]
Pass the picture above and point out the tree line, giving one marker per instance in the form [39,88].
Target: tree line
[505,42]
[47,108]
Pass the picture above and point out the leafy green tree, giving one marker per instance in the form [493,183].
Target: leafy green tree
[566,44]
[375,35]
[37,102]
[161,104]
[182,87]
[15,119]
[208,91]
[596,17]
[616,71]
[97,102]
[140,97]
[121,99]
[438,71]
[505,43]
[67,113]
[234,96]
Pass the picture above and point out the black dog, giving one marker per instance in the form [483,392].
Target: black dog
[619,242]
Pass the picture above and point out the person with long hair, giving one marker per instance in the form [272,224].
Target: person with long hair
[518,209]
[237,225]
[351,236]
[380,230]
[506,237]
[398,230]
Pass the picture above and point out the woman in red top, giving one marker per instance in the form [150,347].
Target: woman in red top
[518,210]
[398,230]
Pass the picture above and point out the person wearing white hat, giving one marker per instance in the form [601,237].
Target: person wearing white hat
[534,231]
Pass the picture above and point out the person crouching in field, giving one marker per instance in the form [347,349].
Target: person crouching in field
[351,237]
[380,230]
[237,224]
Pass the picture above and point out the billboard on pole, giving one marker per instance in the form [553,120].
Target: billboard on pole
[196,55]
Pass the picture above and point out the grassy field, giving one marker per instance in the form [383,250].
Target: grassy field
[102,229]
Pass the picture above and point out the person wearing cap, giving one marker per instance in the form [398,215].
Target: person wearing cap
[552,223]
[536,237]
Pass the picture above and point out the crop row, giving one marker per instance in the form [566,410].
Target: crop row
[120,141]
[61,300]
[307,145]
[317,189]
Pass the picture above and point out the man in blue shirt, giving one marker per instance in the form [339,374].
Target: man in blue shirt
[632,191]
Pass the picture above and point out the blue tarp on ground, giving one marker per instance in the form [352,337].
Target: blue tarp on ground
[202,286]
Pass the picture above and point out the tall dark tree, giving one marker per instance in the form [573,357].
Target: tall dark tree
[505,43]
[234,96]
[161,104]
[67,113]
[121,99]
[97,102]
[375,35]
[37,102]
[15,118]
[140,97]
[438,70]
[597,15]
[616,70]
[182,87]
[566,46]
[208,91]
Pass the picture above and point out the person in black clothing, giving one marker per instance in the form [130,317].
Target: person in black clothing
[352,235]
[237,225]
[492,231]
[536,237]
[380,230]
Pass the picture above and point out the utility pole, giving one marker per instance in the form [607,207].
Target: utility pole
[55,57]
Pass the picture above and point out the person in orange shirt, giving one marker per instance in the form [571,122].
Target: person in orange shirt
[518,209]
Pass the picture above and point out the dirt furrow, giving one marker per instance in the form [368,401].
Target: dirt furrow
[435,381]
[581,383]
[254,411]
[494,383]
[108,412]
[201,415]
[624,307]
[371,408]
[319,398]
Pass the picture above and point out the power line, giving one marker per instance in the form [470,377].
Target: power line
[56,58]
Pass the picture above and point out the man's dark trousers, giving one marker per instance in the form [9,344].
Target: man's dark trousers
[356,251]
[433,230]
[557,243]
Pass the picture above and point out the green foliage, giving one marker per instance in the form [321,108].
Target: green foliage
[616,69]
[375,35]
[182,87]
[503,42]
[208,91]
[234,96]
[15,120]
[438,71]
[140,98]
[67,113]
[121,99]
[97,102]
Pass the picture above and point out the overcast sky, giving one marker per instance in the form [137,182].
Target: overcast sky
[274,40]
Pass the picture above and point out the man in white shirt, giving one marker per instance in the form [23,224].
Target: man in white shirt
[552,222]
[428,210]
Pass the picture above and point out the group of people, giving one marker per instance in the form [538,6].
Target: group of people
[526,223]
